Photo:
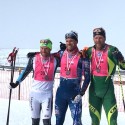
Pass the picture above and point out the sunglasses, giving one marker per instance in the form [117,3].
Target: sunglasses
[71,35]
[97,30]
[46,41]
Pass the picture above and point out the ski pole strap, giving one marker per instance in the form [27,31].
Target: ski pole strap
[12,55]
[121,87]
[11,59]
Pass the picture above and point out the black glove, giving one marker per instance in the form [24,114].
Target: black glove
[62,46]
[117,54]
[14,85]
[82,93]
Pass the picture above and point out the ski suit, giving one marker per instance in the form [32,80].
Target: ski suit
[101,90]
[70,86]
[41,94]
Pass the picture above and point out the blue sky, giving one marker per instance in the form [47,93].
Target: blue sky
[24,22]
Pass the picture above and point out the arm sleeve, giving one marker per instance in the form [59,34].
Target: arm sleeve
[120,58]
[58,56]
[26,70]
[86,73]
[122,65]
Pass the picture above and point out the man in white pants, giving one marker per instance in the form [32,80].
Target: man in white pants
[44,66]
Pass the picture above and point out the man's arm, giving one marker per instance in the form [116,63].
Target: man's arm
[26,70]
[23,74]
[119,57]
[86,73]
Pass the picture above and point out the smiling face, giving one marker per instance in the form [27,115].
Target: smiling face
[71,44]
[45,51]
[99,41]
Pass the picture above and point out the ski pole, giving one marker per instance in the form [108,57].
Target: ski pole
[19,86]
[121,88]
[11,58]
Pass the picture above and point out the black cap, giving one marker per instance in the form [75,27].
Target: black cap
[99,31]
[72,34]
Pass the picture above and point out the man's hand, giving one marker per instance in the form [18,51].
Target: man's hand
[13,85]
[83,52]
[77,99]
[62,46]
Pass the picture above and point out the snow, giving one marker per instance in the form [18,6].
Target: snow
[20,114]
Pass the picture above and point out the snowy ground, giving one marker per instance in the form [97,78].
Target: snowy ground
[20,114]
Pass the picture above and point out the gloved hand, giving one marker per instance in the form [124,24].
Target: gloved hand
[77,99]
[14,85]
[62,46]
[118,56]
[83,52]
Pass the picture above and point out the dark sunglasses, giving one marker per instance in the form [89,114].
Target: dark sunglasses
[71,35]
[46,41]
